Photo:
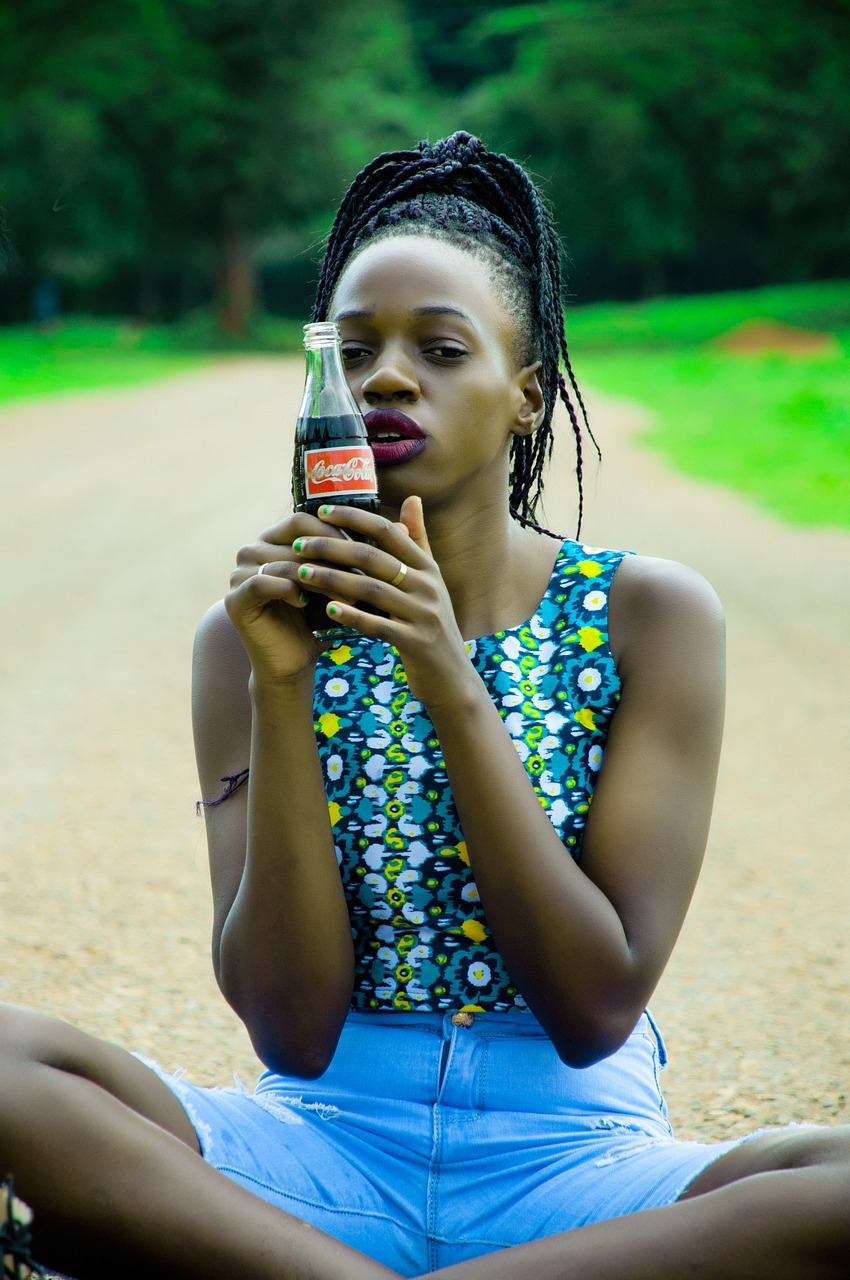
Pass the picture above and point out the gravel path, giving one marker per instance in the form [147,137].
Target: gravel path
[121,514]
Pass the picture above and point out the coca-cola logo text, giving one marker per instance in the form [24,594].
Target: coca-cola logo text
[339,470]
[353,469]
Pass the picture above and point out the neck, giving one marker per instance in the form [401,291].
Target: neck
[495,569]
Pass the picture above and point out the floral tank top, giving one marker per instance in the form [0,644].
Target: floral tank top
[420,934]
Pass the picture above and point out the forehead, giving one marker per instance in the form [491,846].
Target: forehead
[403,274]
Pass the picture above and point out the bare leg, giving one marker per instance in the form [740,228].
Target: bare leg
[778,1208]
[106,1157]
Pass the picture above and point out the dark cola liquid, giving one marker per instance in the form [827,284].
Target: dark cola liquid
[340,432]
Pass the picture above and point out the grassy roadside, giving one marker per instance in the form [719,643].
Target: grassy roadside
[774,425]
[82,354]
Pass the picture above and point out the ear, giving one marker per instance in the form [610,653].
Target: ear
[530,405]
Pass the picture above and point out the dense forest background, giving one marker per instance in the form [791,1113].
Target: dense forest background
[162,155]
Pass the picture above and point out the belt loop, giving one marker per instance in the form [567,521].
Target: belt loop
[659,1040]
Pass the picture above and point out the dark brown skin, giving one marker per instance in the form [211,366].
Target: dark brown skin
[472,572]
[102,1149]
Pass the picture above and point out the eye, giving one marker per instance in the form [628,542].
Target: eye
[445,352]
[354,351]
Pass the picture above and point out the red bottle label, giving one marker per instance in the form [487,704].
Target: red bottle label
[333,471]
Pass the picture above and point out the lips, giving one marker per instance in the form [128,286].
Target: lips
[394,437]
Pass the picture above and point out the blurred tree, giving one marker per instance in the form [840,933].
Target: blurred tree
[704,142]
[157,137]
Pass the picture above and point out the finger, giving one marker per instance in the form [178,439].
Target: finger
[287,530]
[413,518]
[370,592]
[349,554]
[387,535]
[278,583]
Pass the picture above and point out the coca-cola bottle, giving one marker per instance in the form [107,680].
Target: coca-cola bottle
[333,462]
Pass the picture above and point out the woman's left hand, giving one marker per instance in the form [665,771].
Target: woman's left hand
[394,574]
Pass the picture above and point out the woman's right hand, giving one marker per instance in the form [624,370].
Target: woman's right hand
[267,608]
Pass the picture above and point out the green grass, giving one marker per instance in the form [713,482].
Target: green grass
[774,427]
[82,354]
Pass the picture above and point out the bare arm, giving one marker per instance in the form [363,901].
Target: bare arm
[282,948]
[585,943]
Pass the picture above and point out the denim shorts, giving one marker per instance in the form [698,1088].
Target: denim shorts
[426,1144]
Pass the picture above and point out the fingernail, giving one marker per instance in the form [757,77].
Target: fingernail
[297,544]
[304,572]
[325,511]
[304,598]
[332,610]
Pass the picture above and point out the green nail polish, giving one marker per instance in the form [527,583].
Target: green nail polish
[296,546]
[304,597]
[325,511]
[304,571]
[332,610]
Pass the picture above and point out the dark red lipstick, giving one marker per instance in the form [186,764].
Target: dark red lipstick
[393,436]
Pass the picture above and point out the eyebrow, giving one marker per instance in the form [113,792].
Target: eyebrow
[438,309]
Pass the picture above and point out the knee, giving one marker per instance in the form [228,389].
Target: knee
[812,1145]
[28,1037]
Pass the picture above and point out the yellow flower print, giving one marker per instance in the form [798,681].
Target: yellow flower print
[404,972]
[340,655]
[334,812]
[589,568]
[329,724]
[474,930]
[472,1008]
[395,897]
[590,638]
[586,718]
[394,868]
[394,808]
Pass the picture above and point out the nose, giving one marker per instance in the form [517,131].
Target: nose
[392,381]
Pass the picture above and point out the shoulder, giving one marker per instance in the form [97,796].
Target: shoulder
[217,642]
[660,610]
[220,672]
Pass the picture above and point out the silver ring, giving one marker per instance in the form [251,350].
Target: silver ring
[263,568]
[399,578]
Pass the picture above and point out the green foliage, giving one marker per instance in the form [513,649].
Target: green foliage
[158,136]
[156,153]
[773,426]
[686,322]
[82,355]
[706,138]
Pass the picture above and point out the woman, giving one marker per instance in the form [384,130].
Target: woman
[442,950]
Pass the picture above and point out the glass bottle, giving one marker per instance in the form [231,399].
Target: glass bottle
[333,462]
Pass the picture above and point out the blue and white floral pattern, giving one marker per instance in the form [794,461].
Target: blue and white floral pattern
[421,936]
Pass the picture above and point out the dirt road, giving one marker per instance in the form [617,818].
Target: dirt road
[120,514]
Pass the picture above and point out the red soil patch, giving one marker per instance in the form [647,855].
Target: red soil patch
[754,337]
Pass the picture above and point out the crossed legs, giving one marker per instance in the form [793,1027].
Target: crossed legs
[107,1158]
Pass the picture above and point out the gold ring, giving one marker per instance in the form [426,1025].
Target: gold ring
[399,578]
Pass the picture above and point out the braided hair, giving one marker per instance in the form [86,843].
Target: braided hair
[457,190]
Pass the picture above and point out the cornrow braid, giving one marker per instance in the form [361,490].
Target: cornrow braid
[457,190]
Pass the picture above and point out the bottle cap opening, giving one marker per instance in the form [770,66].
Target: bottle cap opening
[320,334]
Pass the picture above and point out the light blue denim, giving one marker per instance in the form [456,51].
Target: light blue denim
[426,1144]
